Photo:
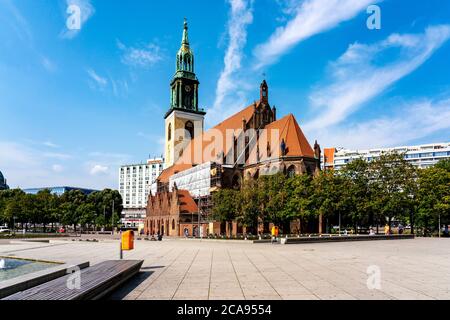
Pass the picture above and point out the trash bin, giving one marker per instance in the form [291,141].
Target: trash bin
[128,240]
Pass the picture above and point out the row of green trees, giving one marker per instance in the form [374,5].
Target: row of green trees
[73,208]
[362,194]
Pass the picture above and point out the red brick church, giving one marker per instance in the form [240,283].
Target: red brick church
[248,144]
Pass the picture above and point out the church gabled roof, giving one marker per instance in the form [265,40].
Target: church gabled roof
[296,143]
[187,203]
[162,201]
[217,142]
[289,131]
[207,139]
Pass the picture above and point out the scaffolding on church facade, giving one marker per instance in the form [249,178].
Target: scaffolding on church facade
[200,181]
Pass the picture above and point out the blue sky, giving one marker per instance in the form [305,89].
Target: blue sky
[75,104]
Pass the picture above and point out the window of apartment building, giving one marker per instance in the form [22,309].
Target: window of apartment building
[426,155]
[441,154]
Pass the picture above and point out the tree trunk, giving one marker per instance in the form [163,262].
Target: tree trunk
[320,223]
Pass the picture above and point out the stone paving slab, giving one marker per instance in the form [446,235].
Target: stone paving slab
[179,269]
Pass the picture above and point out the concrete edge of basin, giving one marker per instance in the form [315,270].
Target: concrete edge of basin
[14,285]
[325,239]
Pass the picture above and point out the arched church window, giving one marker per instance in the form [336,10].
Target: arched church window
[189,130]
[291,171]
[173,224]
[187,61]
[236,182]
[188,100]
[169,132]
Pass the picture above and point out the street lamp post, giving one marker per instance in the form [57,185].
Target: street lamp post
[112,219]
[339,224]
[104,218]
[198,213]
[192,223]
[439,225]
[14,225]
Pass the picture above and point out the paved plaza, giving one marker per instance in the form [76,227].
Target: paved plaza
[193,269]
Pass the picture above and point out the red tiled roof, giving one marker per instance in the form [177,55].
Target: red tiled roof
[206,140]
[187,203]
[209,150]
[296,143]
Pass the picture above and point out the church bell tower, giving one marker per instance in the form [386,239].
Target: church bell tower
[184,120]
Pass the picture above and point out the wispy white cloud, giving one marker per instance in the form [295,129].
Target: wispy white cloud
[12,17]
[49,65]
[357,76]
[415,120]
[98,169]
[109,155]
[144,56]
[312,17]
[87,10]
[18,22]
[54,155]
[152,137]
[156,142]
[119,88]
[96,81]
[58,168]
[50,144]
[241,15]
[21,165]
[28,165]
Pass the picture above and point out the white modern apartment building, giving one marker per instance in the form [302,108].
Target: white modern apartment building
[135,183]
[422,156]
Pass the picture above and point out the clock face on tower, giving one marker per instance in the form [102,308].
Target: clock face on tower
[187,88]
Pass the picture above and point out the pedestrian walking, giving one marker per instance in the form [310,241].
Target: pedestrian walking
[274,234]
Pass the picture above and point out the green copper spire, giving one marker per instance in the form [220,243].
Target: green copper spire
[185,56]
[184,85]
[185,40]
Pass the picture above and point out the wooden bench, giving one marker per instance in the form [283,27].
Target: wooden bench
[96,282]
